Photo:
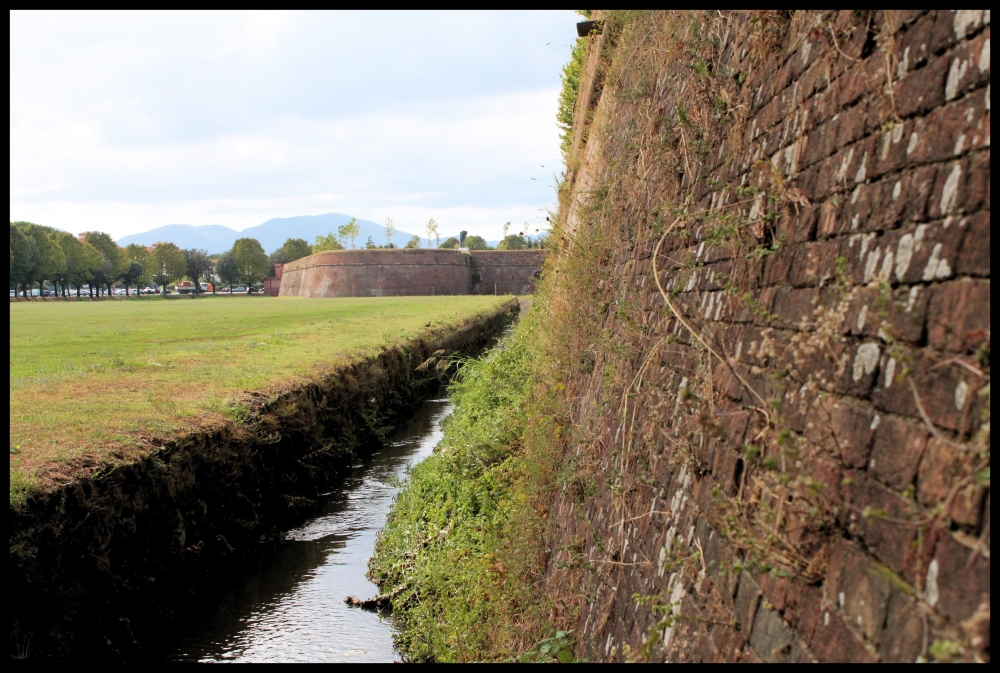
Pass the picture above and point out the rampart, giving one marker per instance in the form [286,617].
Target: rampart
[383,273]
[783,433]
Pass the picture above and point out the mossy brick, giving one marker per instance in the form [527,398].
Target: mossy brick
[958,315]
[897,450]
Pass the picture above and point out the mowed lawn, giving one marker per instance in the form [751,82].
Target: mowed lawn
[94,380]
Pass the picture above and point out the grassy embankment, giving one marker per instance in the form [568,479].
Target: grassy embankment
[93,382]
[464,550]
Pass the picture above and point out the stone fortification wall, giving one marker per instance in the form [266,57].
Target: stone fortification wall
[377,273]
[383,273]
[784,453]
[506,271]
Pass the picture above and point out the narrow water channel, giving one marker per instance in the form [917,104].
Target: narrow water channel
[288,603]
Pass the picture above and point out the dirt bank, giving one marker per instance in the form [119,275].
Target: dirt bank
[101,562]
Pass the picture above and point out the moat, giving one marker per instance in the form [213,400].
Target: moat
[287,603]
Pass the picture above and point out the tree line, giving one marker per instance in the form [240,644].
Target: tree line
[40,255]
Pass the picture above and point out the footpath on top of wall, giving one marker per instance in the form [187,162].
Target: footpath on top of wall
[779,429]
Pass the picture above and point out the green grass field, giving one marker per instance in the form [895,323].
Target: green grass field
[88,379]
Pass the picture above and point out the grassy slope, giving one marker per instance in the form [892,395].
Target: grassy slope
[91,379]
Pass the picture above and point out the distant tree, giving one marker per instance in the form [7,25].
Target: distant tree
[168,263]
[71,248]
[506,228]
[90,262]
[432,230]
[132,275]
[251,260]
[450,243]
[342,235]
[138,254]
[352,230]
[22,251]
[228,269]
[198,265]
[328,242]
[476,243]
[370,244]
[295,248]
[114,258]
[414,242]
[49,261]
[389,231]
[512,242]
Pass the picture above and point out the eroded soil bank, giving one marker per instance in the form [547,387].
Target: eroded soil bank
[101,563]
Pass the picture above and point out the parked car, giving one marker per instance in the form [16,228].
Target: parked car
[240,290]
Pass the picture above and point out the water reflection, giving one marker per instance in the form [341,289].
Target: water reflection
[287,604]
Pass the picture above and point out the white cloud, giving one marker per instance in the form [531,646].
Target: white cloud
[125,122]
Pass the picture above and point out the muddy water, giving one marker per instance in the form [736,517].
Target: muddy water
[288,604]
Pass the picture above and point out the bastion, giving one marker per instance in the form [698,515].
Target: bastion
[396,272]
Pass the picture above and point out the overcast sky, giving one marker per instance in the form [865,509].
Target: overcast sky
[123,122]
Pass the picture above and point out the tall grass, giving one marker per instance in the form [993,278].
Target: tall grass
[450,548]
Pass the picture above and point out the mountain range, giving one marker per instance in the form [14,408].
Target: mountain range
[272,234]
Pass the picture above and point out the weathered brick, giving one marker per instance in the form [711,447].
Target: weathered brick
[875,515]
[897,450]
[974,257]
[862,593]
[833,641]
[947,392]
[958,317]
[942,466]
[960,578]
[902,639]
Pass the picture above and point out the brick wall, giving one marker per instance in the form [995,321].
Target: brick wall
[506,271]
[802,478]
[377,273]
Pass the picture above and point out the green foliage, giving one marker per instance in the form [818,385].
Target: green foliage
[476,243]
[295,248]
[250,259]
[228,269]
[114,257]
[328,242]
[432,231]
[198,264]
[570,92]
[441,542]
[512,242]
[414,242]
[450,243]
[21,253]
[558,647]
[350,230]
[138,254]
[390,229]
[167,263]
